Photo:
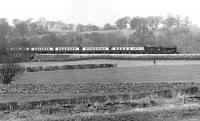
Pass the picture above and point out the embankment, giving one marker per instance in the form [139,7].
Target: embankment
[71,57]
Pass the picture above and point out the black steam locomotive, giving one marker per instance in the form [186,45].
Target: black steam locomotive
[101,50]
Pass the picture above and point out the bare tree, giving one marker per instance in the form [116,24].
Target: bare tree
[10,69]
[122,22]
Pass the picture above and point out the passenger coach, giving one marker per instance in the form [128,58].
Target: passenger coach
[91,50]
[67,49]
[130,50]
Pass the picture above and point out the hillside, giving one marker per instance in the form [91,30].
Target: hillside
[124,32]
[188,40]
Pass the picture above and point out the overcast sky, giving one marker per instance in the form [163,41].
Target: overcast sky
[98,12]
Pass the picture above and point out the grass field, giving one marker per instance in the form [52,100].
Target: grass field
[162,73]
[120,63]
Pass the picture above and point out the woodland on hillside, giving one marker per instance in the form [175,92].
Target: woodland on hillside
[127,31]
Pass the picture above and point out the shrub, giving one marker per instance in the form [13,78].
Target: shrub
[9,68]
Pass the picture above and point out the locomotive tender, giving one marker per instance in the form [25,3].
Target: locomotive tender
[99,50]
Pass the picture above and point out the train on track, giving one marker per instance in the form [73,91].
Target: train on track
[100,50]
